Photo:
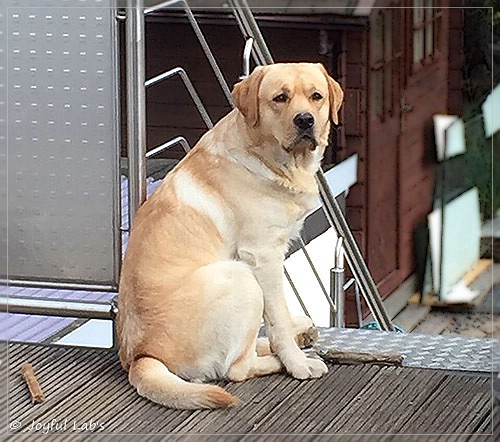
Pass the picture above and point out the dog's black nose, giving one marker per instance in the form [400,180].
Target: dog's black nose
[304,120]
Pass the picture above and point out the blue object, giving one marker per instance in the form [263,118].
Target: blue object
[374,326]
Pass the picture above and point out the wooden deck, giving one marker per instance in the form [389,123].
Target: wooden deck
[85,386]
[479,318]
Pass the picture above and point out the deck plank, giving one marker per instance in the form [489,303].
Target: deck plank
[83,384]
[411,316]
[433,324]
[455,401]
[339,391]
[398,392]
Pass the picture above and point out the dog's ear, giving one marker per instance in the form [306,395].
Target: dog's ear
[246,95]
[336,96]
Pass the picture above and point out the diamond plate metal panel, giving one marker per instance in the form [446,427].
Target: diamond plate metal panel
[419,350]
[63,184]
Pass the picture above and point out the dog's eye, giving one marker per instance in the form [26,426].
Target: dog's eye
[316,96]
[281,98]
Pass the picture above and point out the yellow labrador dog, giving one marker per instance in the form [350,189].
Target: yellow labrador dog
[204,262]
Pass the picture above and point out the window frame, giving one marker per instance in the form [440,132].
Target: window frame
[386,62]
[429,23]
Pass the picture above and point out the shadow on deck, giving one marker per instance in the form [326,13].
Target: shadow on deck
[85,386]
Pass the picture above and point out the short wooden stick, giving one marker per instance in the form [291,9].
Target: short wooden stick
[37,396]
[356,358]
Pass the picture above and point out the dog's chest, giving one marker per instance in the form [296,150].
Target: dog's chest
[275,219]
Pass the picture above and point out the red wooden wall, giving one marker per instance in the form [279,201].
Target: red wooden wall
[396,154]
[170,43]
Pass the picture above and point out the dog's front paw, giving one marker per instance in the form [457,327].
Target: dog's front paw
[310,368]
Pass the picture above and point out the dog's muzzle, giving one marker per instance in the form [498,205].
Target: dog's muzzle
[304,123]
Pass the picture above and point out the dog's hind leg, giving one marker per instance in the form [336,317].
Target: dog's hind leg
[262,347]
[249,365]
[232,302]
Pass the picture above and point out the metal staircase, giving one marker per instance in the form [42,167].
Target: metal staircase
[256,47]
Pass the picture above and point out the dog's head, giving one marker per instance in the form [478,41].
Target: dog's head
[291,104]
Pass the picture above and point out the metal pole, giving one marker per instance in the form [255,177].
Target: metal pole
[57,285]
[249,18]
[136,106]
[295,291]
[66,308]
[163,5]
[177,140]
[354,257]
[255,32]
[337,284]
[316,274]
[246,31]
[247,52]
[358,305]
[335,216]
[210,56]
[348,284]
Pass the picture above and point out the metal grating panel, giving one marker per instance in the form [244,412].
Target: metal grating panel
[63,199]
[420,350]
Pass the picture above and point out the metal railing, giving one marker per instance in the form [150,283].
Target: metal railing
[353,256]
[262,55]
[202,40]
[57,307]
[165,146]
[190,88]
[137,155]
[136,93]
[136,105]
[362,276]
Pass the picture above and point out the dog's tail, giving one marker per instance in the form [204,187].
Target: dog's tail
[154,381]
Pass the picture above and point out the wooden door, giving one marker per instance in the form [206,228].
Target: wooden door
[383,180]
[408,85]
[424,94]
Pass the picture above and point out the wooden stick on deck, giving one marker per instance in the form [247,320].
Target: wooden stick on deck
[355,358]
[37,396]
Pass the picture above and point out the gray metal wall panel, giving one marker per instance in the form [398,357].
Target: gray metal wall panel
[62,141]
[3,139]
